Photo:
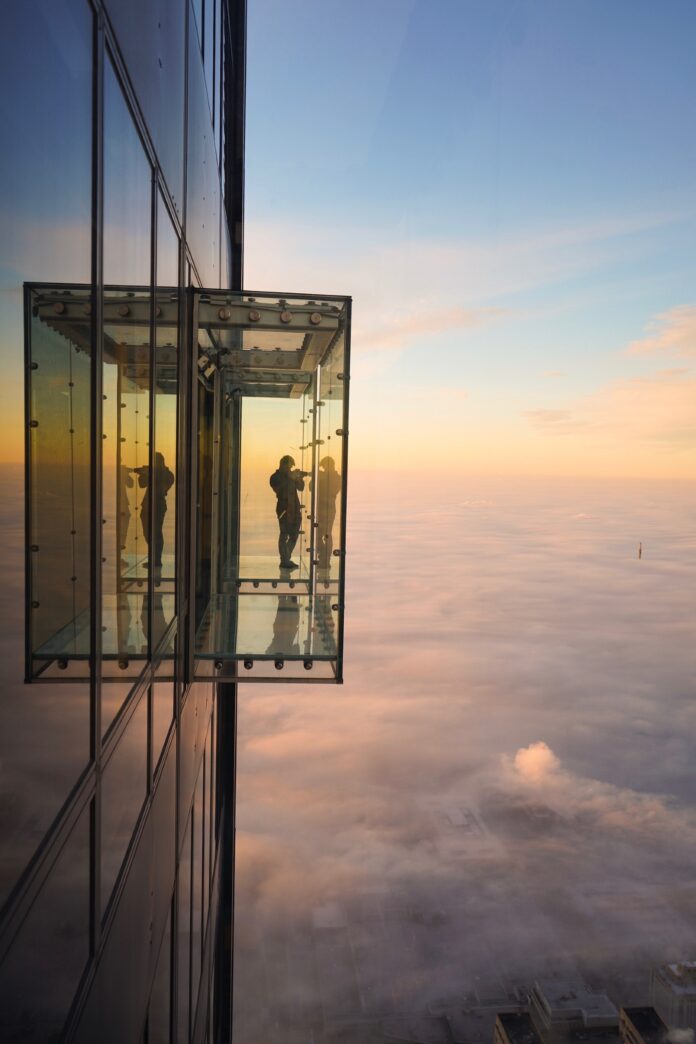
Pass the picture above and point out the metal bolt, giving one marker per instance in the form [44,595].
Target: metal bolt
[315,318]
[254,316]
[286,317]
[224,313]
[123,310]
[308,665]
[59,308]
[279,664]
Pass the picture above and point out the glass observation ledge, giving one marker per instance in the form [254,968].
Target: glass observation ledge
[234,402]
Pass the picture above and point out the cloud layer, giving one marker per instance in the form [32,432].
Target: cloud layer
[504,786]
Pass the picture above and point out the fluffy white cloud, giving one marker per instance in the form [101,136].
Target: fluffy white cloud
[536,762]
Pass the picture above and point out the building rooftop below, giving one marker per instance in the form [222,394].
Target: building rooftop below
[680,976]
[571,1001]
[518,1027]
[647,1024]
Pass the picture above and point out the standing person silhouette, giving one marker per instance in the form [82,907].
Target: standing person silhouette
[163,480]
[328,488]
[286,483]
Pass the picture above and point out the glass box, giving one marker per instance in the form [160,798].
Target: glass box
[272,431]
[242,401]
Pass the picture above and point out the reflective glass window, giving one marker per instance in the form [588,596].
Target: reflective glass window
[124,788]
[59,469]
[126,387]
[42,969]
[162,696]
[159,1014]
[184,934]
[197,22]
[46,192]
[209,19]
[163,557]
[151,34]
[217,78]
[197,879]
[203,180]
[205,827]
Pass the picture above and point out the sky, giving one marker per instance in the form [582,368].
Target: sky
[506,190]
[502,790]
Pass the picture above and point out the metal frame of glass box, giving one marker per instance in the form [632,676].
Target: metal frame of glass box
[257,376]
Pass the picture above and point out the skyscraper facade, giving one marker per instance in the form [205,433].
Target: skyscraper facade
[122,183]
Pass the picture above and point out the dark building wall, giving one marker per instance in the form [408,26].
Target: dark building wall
[122,142]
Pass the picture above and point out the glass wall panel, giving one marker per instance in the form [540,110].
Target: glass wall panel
[60,368]
[162,696]
[276,466]
[204,500]
[197,880]
[159,1013]
[151,34]
[197,20]
[205,827]
[163,558]
[203,180]
[124,788]
[209,18]
[41,972]
[216,100]
[184,934]
[126,388]
[327,488]
[46,193]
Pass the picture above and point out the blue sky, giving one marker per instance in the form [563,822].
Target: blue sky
[507,189]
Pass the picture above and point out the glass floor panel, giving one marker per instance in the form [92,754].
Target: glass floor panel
[249,568]
[124,622]
[135,567]
[284,626]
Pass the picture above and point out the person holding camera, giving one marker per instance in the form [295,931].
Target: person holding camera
[286,483]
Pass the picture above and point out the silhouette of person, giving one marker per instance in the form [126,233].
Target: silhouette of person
[328,488]
[286,482]
[163,480]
